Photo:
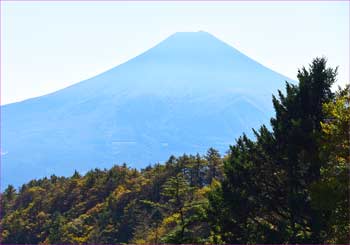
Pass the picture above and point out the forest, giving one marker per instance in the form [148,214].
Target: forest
[288,184]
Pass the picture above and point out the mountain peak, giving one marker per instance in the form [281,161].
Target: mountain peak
[195,36]
[198,48]
[191,33]
[192,45]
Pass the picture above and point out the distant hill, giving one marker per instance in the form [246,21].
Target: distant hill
[188,93]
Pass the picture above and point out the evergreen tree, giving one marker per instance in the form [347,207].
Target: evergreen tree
[215,165]
[267,184]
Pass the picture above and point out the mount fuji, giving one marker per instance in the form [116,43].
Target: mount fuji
[188,93]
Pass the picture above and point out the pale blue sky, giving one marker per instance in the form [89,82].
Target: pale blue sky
[47,46]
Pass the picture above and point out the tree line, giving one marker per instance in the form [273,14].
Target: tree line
[290,184]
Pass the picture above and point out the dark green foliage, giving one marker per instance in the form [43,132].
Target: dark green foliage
[269,184]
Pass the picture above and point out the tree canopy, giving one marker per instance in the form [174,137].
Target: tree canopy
[290,184]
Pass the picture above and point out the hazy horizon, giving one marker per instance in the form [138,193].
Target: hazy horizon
[59,52]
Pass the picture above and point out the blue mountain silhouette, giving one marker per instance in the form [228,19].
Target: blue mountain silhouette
[188,93]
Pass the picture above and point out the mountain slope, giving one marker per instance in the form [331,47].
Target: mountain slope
[186,94]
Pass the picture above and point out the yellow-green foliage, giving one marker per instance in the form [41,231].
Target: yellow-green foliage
[118,205]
